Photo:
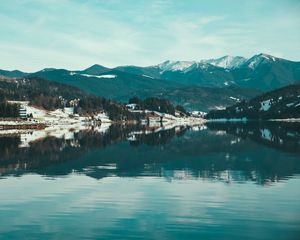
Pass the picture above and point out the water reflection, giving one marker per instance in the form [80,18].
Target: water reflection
[263,153]
[283,136]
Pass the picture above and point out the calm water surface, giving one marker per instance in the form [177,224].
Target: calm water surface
[212,182]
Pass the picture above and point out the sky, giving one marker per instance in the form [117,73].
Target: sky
[75,34]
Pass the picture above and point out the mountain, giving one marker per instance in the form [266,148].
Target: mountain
[112,84]
[207,98]
[266,72]
[152,71]
[96,69]
[281,103]
[121,86]
[261,72]
[228,62]
[200,74]
[14,73]
[174,66]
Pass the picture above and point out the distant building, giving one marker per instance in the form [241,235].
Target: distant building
[22,111]
[132,106]
[198,114]
[69,110]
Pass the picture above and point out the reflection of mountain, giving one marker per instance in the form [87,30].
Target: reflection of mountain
[174,154]
[283,136]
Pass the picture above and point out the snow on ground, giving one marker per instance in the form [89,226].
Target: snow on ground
[96,76]
[61,124]
[235,99]
[290,104]
[100,76]
[103,117]
[58,131]
[147,76]
[228,62]
[175,65]
[220,107]
[52,118]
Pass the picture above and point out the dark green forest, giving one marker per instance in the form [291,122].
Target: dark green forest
[278,104]
[8,110]
[52,95]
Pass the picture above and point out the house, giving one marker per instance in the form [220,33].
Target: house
[132,106]
[198,114]
[22,111]
[69,110]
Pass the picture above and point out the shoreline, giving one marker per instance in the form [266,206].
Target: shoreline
[40,124]
[241,120]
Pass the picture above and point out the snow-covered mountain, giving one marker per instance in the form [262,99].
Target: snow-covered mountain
[226,62]
[262,71]
[259,59]
[229,62]
[175,65]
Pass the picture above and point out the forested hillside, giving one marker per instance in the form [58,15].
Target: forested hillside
[278,104]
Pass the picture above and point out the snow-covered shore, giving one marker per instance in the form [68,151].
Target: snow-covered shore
[63,124]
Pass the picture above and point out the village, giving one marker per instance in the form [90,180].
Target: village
[36,123]
[32,117]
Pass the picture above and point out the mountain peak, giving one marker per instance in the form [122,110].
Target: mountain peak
[96,69]
[175,65]
[258,59]
[226,61]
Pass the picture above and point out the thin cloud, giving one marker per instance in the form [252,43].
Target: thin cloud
[73,34]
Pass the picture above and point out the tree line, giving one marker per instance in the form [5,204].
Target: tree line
[157,104]
[9,110]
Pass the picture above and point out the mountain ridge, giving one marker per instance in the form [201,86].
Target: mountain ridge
[262,72]
[282,103]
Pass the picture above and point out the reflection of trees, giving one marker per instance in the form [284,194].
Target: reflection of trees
[50,150]
[8,144]
[205,154]
[281,135]
[154,138]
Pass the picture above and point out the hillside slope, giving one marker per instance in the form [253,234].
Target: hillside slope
[281,103]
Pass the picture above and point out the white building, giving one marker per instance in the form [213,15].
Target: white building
[69,110]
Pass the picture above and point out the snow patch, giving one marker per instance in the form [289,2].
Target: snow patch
[100,76]
[235,99]
[175,65]
[147,76]
[290,104]
[228,62]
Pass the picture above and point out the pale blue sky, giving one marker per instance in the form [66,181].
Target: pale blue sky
[76,34]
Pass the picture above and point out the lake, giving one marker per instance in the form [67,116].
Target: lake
[216,181]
